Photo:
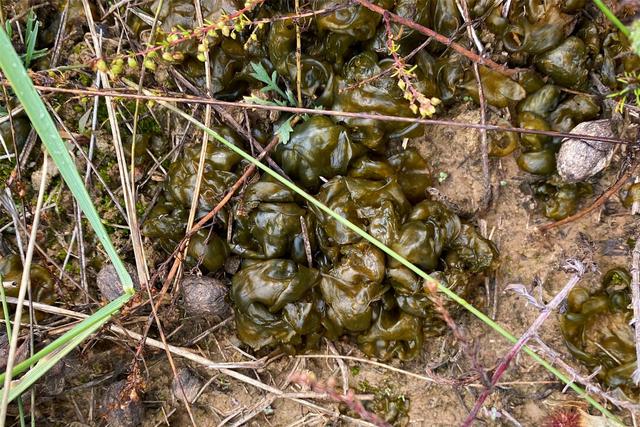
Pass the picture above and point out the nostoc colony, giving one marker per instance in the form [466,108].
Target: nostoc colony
[356,165]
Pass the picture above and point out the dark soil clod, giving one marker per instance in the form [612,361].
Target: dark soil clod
[191,385]
[119,410]
[109,283]
[205,296]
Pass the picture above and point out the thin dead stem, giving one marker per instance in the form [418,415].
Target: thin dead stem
[24,285]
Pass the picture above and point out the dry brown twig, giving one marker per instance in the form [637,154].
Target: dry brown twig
[579,270]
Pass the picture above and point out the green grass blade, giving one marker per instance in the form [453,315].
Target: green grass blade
[613,18]
[43,124]
[21,385]
[99,317]
[487,320]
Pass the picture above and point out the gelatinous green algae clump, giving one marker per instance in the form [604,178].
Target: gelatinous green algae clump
[42,283]
[597,332]
[352,288]
[303,275]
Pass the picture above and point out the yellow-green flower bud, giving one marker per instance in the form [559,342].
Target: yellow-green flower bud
[101,66]
[149,64]
[167,56]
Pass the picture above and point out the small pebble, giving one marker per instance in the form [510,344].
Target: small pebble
[191,385]
[121,411]
[205,296]
[578,159]
[109,283]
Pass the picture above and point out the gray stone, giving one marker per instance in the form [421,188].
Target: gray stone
[578,159]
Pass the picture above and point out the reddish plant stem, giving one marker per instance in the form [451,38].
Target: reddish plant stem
[596,204]
[297,110]
[531,332]
[439,37]
[349,399]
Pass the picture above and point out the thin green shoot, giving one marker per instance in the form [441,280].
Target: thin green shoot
[611,17]
[31,32]
[448,292]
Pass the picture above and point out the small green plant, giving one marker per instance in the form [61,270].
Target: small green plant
[631,89]
[271,85]
[287,99]
[31,36]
